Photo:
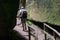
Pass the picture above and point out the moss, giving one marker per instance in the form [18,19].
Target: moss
[44,11]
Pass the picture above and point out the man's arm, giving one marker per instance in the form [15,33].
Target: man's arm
[18,13]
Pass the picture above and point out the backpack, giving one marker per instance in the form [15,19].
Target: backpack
[23,14]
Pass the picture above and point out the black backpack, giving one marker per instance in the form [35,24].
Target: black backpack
[23,14]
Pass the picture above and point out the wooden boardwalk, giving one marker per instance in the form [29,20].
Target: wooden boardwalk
[38,32]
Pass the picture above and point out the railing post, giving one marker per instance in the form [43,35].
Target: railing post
[36,36]
[45,34]
[29,33]
[54,35]
[45,37]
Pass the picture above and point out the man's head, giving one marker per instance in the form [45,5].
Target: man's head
[22,7]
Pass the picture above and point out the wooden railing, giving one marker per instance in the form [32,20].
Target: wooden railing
[54,32]
[31,32]
[52,29]
[46,28]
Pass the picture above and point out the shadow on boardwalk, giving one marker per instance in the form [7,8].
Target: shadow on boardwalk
[13,35]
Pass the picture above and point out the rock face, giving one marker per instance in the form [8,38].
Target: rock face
[8,11]
[3,24]
[44,10]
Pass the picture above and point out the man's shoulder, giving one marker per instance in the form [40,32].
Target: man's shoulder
[23,10]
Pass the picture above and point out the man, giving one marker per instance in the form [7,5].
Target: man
[22,13]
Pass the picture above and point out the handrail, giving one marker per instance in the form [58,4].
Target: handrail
[52,29]
[55,31]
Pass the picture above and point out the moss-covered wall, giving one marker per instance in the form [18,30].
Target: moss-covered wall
[44,10]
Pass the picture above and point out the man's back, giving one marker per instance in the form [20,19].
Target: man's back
[22,13]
